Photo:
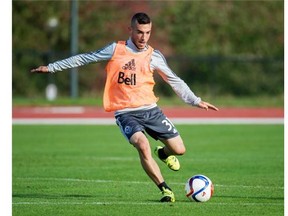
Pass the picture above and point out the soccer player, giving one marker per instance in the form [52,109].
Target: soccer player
[129,94]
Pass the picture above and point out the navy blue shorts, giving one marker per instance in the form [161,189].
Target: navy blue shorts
[151,121]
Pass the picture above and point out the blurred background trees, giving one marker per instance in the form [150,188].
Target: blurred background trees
[218,47]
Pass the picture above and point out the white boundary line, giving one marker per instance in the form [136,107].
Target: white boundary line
[143,203]
[136,203]
[140,182]
[111,121]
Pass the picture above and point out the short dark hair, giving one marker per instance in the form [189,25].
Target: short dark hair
[141,18]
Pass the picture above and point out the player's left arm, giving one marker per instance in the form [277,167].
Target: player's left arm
[159,64]
[207,106]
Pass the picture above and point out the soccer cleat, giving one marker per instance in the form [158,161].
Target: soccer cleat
[171,161]
[168,195]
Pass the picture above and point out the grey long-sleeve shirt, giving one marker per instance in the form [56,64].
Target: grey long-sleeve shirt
[158,63]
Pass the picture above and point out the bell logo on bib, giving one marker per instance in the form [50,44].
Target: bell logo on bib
[127,80]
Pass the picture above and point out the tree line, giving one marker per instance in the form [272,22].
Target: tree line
[217,47]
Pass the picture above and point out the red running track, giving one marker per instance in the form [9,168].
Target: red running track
[171,112]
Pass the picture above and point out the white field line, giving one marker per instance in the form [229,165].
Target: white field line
[139,203]
[139,182]
[111,121]
[59,110]
[144,203]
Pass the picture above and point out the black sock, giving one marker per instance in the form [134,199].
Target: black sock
[163,184]
[162,154]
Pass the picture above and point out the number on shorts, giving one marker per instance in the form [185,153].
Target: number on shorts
[168,123]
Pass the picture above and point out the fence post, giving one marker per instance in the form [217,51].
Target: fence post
[74,47]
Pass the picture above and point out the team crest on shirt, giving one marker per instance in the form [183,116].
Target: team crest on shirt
[128,130]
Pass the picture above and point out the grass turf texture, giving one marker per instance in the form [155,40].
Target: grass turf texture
[92,170]
[225,101]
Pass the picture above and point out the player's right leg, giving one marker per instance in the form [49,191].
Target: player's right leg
[132,129]
[141,143]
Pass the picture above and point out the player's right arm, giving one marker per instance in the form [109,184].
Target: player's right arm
[41,69]
[103,54]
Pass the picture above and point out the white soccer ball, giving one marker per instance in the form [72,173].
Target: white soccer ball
[199,188]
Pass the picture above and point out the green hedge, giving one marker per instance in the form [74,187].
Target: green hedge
[217,47]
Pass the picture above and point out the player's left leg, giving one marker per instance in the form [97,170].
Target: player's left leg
[161,128]
[174,146]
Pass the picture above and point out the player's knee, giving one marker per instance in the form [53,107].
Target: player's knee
[144,147]
[178,149]
[181,150]
[141,144]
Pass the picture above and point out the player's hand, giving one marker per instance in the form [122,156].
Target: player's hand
[207,106]
[41,69]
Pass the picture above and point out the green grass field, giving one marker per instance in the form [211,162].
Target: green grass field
[92,170]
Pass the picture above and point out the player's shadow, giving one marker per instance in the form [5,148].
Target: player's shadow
[248,197]
[228,196]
